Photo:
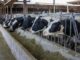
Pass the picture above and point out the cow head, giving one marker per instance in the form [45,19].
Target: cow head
[39,25]
[17,22]
[55,28]
[7,23]
[13,24]
[28,22]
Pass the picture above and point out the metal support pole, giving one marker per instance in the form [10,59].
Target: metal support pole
[67,9]
[75,30]
[4,10]
[7,12]
[24,9]
[49,10]
[11,13]
[54,8]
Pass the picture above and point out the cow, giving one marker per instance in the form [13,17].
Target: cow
[2,19]
[28,22]
[63,28]
[58,27]
[40,24]
[15,23]
[6,23]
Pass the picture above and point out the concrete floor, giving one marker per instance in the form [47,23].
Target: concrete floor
[5,52]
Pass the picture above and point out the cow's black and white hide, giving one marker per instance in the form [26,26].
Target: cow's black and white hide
[40,24]
[28,22]
[62,27]
[2,19]
[6,23]
[58,27]
[15,23]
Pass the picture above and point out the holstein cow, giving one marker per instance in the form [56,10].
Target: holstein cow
[6,23]
[28,22]
[58,27]
[40,24]
[15,23]
[2,19]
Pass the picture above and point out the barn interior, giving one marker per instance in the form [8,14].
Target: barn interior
[20,40]
[17,7]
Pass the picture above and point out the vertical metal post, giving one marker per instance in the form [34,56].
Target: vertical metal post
[67,9]
[11,12]
[54,8]
[7,9]
[7,12]
[4,11]
[75,30]
[49,10]
[24,8]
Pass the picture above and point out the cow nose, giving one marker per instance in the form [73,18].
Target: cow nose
[4,25]
[32,31]
[11,28]
[44,33]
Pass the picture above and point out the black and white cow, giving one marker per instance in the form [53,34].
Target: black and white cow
[6,23]
[2,19]
[28,22]
[15,23]
[40,24]
[58,27]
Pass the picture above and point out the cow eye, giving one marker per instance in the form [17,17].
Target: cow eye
[51,20]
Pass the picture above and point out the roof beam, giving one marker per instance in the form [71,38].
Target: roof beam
[9,2]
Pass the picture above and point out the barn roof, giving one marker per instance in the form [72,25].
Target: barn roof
[9,2]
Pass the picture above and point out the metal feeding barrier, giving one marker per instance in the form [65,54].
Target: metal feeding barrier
[65,40]
[61,16]
[72,23]
[76,31]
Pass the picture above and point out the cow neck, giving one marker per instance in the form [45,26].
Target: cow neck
[61,22]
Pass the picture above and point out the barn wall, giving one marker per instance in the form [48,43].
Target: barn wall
[18,8]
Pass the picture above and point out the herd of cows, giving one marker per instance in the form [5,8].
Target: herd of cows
[49,25]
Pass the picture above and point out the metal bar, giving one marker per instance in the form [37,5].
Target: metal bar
[75,30]
[11,12]
[67,9]
[54,6]
[24,9]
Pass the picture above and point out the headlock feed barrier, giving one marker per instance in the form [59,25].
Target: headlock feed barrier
[65,40]
[68,41]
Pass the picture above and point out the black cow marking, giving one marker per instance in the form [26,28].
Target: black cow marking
[57,27]
[28,22]
[16,22]
[39,24]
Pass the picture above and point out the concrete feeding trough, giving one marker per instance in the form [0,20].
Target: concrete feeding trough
[18,51]
[48,45]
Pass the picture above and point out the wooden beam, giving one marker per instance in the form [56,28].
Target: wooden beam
[9,2]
